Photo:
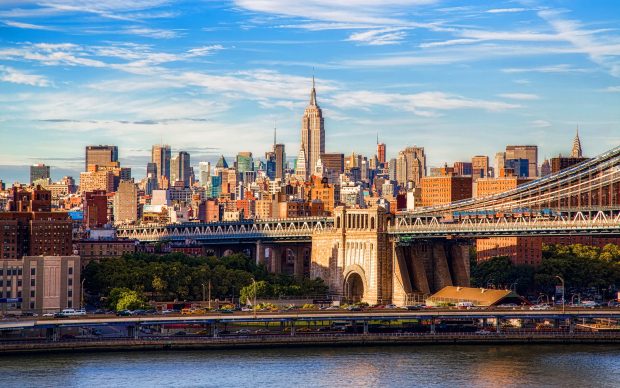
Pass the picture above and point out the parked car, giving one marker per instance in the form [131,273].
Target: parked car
[123,313]
[540,307]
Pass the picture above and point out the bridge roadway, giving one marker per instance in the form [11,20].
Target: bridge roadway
[314,316]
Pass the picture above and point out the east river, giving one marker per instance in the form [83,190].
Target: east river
[417,366]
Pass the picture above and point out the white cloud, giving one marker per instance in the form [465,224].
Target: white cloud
[422,104]
[27,26]
[604,51]
[450,42]
[562,68]
[520,96]
[380,37]
[354,11]
[506,10]
[204,50]
[9,74]
[151,32]
[612,89]
[540,124]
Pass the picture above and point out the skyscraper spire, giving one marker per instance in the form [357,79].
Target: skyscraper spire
[274,134]
[576,152]
[313,92]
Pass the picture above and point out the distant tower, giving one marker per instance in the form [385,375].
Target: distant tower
[576,152]
[312,134]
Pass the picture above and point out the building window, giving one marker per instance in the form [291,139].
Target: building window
[19,294]
[19,272]
[19,283]
[31,305]
[70,281]
[70,293]
[33,271]
[32,282]
[70,270]
[69,304]
[32,293]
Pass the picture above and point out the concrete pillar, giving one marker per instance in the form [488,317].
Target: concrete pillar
[571,325]
[292,328]
[433,331]
[420,280]
[442,271]
[298,266]
[401,278]
[459,254]
[498,321]
[260,253]
[275,261]
[365,327]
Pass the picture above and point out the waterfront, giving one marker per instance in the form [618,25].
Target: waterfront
[449,366]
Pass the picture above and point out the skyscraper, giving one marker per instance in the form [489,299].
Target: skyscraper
[576,151]
[160,155]
[39,171]
[410,165]
[101,155]
[180,169]
[381,152]
[480,166]
[529,152]
[280,155]
[312,135]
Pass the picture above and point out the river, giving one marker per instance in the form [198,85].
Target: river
[411,366]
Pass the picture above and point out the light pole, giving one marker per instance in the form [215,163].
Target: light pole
[82,293]
[203,293]
[209,294]
[563,291]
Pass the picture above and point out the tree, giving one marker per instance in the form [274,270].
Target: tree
[130,300]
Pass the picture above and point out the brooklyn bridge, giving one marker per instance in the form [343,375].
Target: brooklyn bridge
[378,257]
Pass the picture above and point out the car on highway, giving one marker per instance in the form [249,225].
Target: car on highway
[243,332]
[123,313]
[540,307]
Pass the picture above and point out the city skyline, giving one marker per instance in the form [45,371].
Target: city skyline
[416,72]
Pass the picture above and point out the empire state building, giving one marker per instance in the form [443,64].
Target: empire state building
[312,137]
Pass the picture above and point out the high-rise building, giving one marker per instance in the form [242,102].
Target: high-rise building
[97,179]
[500,159]
[160,155]
[312,134]
[480,166]
[280,159]
[333,162]
[462,168]
[126,203]
[439,190]
[95,208]
[576,151]
[39,171]
[381,153]
[410,165]
[180,169]
[245,162]
[204,172]
[519,167]
[545,168]
[101,155]
[529,152]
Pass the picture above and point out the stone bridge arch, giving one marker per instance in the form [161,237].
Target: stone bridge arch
[355,284]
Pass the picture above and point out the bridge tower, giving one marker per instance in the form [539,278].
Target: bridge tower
[354,258]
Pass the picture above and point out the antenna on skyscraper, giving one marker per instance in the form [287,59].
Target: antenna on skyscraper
[274,133]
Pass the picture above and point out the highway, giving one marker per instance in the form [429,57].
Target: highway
[395,314]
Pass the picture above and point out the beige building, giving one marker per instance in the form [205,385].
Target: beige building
[96,179]
[410,165]
[126,203]
[529,152]
[312,136]
[40,283]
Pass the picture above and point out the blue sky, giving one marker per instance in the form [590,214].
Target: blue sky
[459,78]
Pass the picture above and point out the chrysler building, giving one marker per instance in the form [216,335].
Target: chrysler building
[312,136]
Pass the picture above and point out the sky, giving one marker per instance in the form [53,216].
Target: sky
[214,77]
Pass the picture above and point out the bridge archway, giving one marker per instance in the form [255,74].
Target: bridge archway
[354,284]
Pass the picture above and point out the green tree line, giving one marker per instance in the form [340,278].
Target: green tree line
[581,266]
[181,277]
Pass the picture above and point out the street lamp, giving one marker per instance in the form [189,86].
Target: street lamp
[203,293]
[563,291]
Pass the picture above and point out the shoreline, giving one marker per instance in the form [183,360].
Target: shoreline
[205,343]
